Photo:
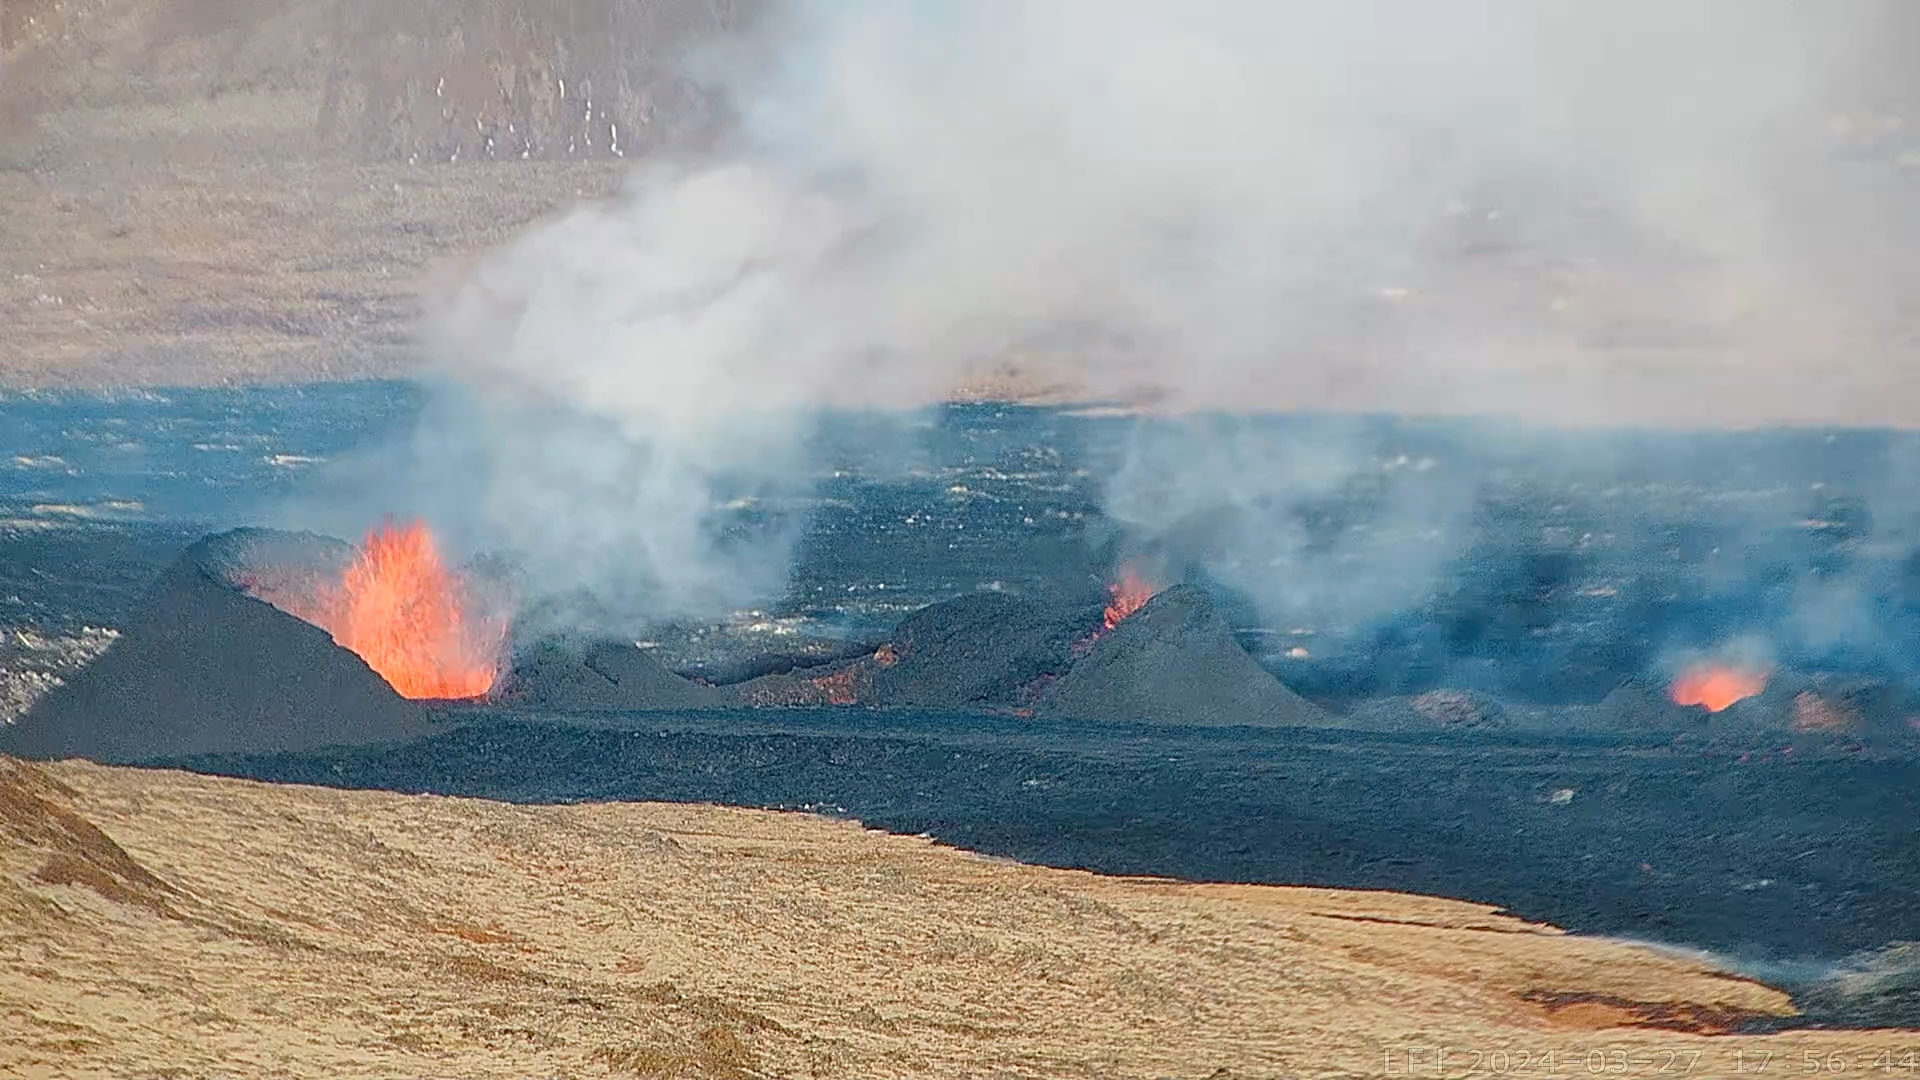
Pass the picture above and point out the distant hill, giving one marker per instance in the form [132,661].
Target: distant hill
[510,79]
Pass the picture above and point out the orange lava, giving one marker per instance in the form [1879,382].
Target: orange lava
[1716,686]
[1129,593]
[403,612]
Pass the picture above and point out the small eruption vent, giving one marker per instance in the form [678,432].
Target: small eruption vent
[1128,594]
[1714,686]
[405,614]
[399,608]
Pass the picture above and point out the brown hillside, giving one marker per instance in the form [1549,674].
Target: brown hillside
[207,191]
[200,191]
[163,922]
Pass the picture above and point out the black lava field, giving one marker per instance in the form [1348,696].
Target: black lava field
[1445,671]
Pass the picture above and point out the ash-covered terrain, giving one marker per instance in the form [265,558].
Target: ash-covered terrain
[1486,663]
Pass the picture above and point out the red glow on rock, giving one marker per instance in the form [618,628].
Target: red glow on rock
[1714,686]
[1129,593]
[840,688]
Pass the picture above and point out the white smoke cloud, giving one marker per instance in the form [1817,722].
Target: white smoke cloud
[1571,211]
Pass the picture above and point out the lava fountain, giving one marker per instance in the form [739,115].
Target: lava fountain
[407,616]
[1715,686]
[399,607]
[1127,595]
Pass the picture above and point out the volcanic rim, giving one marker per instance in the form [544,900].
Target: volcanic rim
[156,918]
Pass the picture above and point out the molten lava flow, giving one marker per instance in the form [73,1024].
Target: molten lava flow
[1129,594]
[1716,686]
[1126,596]
[404,613]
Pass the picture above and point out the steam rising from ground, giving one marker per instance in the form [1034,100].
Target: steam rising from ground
[1573,212]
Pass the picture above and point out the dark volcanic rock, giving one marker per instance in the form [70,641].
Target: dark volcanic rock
[849,682]
[596,676]
[1642,705]
[1175,661]
[266,561]
[1852,708]
[987,650]
[1876,989]
[1435,710]
[724,667]
[1779,855]
[1818,713]
[204,668]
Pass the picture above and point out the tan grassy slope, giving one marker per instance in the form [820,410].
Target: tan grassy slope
[159,923]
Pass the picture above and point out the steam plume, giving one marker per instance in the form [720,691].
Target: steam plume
[1569,211]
